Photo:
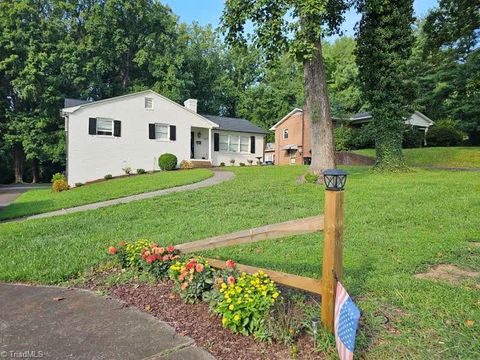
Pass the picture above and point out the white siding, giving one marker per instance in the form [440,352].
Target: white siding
[91,157]
[225,156]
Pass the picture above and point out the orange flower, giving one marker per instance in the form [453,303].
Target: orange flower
[170,248]
[112,250]
[231,280]
[230,263]
[165,258]
[161,250]
[184,286]
[199,268]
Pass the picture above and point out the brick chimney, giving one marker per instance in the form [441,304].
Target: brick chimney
[191,104]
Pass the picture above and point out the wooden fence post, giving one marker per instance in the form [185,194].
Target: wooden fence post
[332,254]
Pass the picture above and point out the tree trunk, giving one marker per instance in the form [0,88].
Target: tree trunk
[318,108]
[18,156]
[34,166]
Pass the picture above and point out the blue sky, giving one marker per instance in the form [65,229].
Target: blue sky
[209,11]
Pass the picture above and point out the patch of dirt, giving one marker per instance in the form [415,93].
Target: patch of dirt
[450,274]
[474,244]
[197,322]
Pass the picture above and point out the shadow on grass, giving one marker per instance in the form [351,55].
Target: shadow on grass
[21,209]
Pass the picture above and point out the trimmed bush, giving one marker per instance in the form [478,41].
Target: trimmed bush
[167,162]
[58,176]
[78,184]
[241,164]
[222,164]
[108,177]
[59,185]
[186,165]
[141,171]
[445,133]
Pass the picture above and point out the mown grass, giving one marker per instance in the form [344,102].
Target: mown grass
[453,157]
[44,200]
[395,226]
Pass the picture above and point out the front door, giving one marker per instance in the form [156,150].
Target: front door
[192,145]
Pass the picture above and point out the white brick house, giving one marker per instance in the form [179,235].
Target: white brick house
[103,137]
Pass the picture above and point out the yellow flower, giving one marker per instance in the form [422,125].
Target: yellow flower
[231,307]
[275,295]
[264,293]
[229,300]
[236,318]
[224,320]
[223,286]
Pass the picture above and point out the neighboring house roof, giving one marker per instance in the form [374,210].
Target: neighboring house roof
[417,119]
[235,124]
[270,147]
[294,111]
[74,102]
[72,109]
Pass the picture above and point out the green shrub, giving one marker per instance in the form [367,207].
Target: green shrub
[167,162]
[445,133]
[412,137]
[108,177]
[141,171]
[343,138]
[241,164]
[59,185]
[364,137]
[127,170]
[58,176]
[192,279]
[222,164]
[311,178]
[78,184]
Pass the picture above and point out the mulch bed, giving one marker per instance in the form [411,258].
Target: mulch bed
[197,322]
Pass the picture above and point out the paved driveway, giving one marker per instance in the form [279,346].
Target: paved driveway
[8,193]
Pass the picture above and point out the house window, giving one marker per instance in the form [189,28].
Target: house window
[104,127]
[233,146]
[285,134]
[223,143]
[148,103]
[161,131]
[244,144]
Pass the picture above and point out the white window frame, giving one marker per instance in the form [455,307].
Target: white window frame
[227,143]
[105,120]
[248,144]
[285,132]
[147,101]
[168,132]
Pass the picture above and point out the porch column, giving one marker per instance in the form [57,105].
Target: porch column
[210,144]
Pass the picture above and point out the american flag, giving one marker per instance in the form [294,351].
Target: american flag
[346,323]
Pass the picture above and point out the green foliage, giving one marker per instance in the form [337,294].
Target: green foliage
[413,137]
[108,177]
[384,45]
[311,178]
[141,171]
[445,133]
[222,164]
[245,302]
[241,164]
[134,250]
[192,279]
[58,176]
[59,185]
[78,184]
[343,138]
[167,162]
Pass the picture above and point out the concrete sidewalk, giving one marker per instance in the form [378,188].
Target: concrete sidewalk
[217,178]
[61,323]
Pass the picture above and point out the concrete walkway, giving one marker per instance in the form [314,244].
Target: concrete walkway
[60,323]
[217,178]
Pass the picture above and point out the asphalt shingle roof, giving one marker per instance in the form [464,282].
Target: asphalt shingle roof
[235,124]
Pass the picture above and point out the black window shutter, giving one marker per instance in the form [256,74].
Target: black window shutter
[173,132]
[151,131]
[252,144]
[216,142]
[117,128]
[92,126]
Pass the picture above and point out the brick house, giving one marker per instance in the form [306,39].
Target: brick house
[292,139]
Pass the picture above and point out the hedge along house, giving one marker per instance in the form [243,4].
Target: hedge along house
[132,131]
[292,133]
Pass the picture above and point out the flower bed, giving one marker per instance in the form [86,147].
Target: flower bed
[242,301]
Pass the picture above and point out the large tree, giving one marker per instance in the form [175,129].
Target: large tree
[384,45]
[296,26]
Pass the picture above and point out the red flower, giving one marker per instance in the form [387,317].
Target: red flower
[199,268]
[165,258]
[112,250]
[190,265]
[230,263]
[170,248]
[231,280]
[145,254]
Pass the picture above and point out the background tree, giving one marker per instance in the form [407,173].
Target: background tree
[297,26]
[385,40]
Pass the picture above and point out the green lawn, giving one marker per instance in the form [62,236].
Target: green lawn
[44,200]
[454,157]
[395,226]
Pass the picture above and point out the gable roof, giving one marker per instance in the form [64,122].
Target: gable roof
[68,102]
[235,124]
[70,110]
[294,111]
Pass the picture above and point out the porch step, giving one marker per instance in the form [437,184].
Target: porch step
[201,164]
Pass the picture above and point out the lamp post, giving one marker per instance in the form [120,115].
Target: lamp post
[332,267]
